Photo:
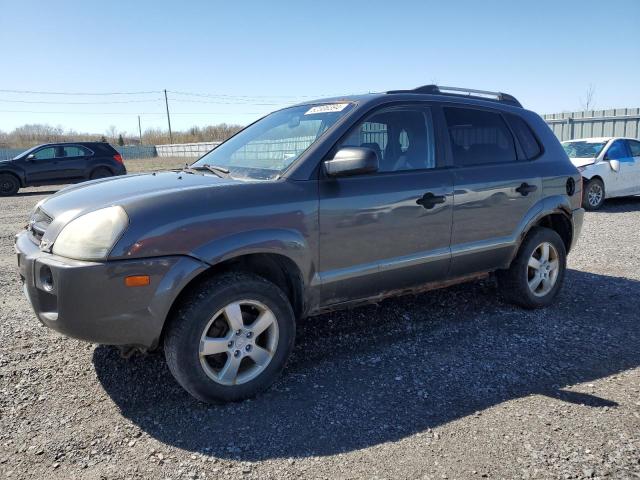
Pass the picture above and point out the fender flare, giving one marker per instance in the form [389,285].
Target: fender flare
[285,242]
[21,178]
[557,204]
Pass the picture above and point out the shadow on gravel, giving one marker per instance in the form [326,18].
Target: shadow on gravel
[381,373]
[620,205]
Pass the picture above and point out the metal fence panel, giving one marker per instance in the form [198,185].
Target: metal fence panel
[137,151]
[617,122]
[185,149]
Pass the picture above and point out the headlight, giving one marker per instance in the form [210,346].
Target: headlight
[91,236]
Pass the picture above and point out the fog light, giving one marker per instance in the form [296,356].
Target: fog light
[46,278]
[137,281]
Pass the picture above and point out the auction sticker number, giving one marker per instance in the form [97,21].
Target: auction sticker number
[332,107]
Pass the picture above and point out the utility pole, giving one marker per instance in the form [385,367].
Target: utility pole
[139,129]
[166,102]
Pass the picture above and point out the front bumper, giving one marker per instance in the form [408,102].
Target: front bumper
[89,300]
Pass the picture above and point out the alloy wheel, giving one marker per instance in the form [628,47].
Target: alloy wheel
[543,269]
[594,195]
[238,342]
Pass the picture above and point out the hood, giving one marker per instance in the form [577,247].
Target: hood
[88,196]
[582,162]
[76,200]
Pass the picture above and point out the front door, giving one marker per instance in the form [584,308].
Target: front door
[43,167]
[634,147]
[387,230]
[626,178]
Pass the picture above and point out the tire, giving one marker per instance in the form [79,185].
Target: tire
[516,283]
[593,196]
[100,173]
[9,185]
[203,313]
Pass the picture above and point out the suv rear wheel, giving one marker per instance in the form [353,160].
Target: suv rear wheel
[100,173]
[230,337]
[536,274]
[9,185]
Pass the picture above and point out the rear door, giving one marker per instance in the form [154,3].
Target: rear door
[73,161]
[387,230]
[493,187]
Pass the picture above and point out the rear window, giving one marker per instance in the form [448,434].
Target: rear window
[104,148]
[479,137]
[525,136]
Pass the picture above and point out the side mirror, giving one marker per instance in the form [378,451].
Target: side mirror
[615,165]
[31,156]
[352,161]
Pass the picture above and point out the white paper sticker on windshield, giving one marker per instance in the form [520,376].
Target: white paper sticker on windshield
[332,107]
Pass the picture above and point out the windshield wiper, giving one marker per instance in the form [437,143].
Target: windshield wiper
[216,170]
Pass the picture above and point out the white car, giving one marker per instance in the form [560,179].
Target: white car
[610,167]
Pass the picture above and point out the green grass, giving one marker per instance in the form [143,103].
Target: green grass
[155,164]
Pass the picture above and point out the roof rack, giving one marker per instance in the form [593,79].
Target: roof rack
[464,92]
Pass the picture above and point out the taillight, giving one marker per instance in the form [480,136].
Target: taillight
[118,158]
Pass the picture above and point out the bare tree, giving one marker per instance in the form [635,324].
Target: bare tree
[587,102]
[112,133]
[36,134]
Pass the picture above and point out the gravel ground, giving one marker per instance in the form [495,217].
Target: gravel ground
[449,384]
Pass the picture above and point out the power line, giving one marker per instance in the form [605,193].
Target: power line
[80,103]
[79,93]
[147,92]
[216,95]
[181,100]
[133,113]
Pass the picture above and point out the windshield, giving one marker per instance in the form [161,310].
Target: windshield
[26,152]
[266,148]
[583,149]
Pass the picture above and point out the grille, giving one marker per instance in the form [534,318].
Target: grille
[38,224]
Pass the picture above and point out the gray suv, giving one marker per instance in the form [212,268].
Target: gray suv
[314,207]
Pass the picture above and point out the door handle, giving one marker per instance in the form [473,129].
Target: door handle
[429,200]
[525,189]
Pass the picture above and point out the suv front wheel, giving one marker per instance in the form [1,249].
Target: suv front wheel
[536,274]
[230,337]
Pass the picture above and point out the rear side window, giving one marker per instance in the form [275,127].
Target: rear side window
[525,136]
[74,151]
[479,137]
[104,148]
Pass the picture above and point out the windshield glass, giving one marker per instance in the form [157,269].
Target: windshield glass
[266,148]
[583,149]
[26,152]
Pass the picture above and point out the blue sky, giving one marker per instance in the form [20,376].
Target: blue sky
[253,57]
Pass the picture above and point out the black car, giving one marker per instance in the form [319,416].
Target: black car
[56,163]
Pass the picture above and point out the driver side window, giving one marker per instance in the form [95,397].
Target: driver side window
[45,153]
[617,151]
[402,137]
